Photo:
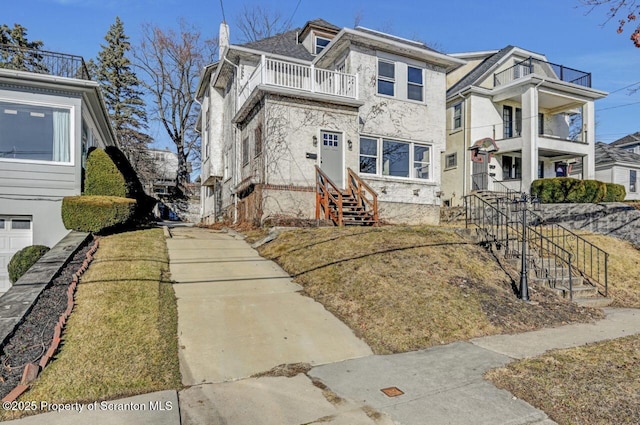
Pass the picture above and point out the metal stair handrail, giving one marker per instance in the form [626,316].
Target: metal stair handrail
[555,264]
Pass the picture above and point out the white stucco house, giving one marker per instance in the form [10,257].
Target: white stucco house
[337,98]
[513,117]
[51,113]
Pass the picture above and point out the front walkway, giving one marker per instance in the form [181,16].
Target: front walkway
[240,314]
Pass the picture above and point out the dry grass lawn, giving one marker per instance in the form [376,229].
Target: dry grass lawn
[407,288]
[121,338]
[597,384]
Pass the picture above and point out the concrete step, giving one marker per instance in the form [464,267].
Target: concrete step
[595,302]
[580,292]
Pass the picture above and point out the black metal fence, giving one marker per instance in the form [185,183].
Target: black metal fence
[43,62]
[536,66]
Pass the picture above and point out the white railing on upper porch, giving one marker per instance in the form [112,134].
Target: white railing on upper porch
[295,76]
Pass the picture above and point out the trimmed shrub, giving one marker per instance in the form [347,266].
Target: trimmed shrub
[103,177]
[145,203]
[23,260]
[96,213]
[595,191]
[570,190]
[615,193]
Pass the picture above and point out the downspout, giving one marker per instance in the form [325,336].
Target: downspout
[464,147]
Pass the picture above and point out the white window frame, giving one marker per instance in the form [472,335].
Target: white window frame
[385,78]
[421,84]
[412,162]
[72,130]
[318,48]
[457,116]
[633,182]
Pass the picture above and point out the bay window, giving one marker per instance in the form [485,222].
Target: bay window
[395,158]
[35,132]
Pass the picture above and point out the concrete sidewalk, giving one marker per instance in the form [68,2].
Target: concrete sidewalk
[444,385]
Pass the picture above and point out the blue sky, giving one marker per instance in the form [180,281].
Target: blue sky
[560,29]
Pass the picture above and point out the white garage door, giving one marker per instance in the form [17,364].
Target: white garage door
[15,234]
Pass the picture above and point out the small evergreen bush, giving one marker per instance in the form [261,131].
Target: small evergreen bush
[96,213]
[23,260]
[103,177]
[615,193]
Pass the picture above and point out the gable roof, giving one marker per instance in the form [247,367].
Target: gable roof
[285,44]
[324,24]
[611,154]
[412,43]
[627,140]
[474,75]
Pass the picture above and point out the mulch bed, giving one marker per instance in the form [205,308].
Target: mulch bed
[34,335]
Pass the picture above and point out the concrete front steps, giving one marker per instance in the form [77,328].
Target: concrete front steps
[557,279]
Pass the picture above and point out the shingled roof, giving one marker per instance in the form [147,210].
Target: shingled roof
[608,153]
[285,44]
[472,77]
[627,140]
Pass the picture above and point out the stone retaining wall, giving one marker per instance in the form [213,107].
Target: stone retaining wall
[613,219]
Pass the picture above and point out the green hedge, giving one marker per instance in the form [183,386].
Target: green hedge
[103,177]
[96,213]
[570,190]
[23,260]
[615,193]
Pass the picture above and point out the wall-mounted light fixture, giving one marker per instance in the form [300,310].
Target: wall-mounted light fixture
[416,192]
[315,140]
[383,189]
[350,144]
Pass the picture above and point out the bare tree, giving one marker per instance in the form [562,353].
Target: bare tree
[617,10]
[171,61]
[258,22]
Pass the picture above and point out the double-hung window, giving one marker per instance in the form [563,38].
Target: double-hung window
[395,158]
[386,77]
[35,132]
[457,116]
[415,86]
[245,151]
[632,180]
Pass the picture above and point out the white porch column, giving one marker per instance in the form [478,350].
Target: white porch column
[529,137]
[589,136]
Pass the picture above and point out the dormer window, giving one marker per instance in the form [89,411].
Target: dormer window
[320,44]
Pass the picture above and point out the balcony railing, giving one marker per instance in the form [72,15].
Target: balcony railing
[536,66]
[306,78]
[42,62]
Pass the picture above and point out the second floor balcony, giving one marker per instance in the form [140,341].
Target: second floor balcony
[299,77]
[544,69]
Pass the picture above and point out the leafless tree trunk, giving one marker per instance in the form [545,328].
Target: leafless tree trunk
[171,61]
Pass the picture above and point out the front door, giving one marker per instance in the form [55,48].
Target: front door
[480,171]
[331,156]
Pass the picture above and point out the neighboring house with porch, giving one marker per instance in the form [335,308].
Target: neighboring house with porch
[514,117]
[51,113]
[366,108]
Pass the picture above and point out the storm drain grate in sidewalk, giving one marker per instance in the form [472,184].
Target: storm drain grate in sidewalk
[392,391]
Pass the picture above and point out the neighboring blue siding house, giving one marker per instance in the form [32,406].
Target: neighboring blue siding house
[51,113]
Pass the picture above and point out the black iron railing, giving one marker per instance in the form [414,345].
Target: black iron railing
[536,66]
[43,62]
[560,255]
